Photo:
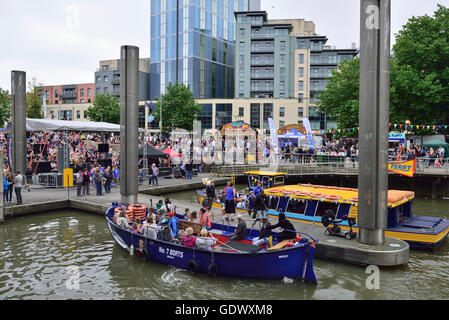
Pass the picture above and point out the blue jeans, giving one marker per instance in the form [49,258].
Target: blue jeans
[107,186]
[154,180]
[189,174]
[99,188]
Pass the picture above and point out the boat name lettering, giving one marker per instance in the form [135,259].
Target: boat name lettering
[283,257]
[176,253]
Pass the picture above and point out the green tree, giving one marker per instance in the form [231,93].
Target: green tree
[34,100]
[5,107]
[178,108]
[419,83]
[340,100]
[106,108]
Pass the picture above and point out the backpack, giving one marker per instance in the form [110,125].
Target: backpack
[165,234]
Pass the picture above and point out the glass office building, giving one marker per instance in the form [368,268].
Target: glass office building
[192,42]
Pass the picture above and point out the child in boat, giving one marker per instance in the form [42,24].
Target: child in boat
[205,242]
[205,219]
[137,226]
[189,239]
[194,217]
[187,214]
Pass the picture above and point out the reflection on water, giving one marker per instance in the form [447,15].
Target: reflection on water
[35,252]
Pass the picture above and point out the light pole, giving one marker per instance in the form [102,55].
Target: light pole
[160,117]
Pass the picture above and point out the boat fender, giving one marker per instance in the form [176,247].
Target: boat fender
[145,255]
[192,266]
[212,270]
[131,250]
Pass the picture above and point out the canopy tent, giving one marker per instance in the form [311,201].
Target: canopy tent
[172,154]
[61,125]
[151,152]
[435,145]
[293,134]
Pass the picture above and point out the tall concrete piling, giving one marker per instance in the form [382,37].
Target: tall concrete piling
[373,118]
[18,121]
[129,125]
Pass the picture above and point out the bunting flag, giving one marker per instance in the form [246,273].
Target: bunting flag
[435,127]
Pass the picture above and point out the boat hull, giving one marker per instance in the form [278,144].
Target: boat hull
[417,238]
[294,262]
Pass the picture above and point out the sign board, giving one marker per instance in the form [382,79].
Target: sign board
[405,168]
[68,178]
[236,125]
[396,136]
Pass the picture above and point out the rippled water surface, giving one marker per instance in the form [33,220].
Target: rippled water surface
[38,254]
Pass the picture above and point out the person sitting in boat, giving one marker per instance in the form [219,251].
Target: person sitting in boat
[137,226]
[264,233]
[194,217]
[288,230]
[187,214]
[167,206]
[122,220]
[240,204]
[173,223]
[189,239]
[165,233]
[117,214]
[204,242]
[149,228]
[241,232]
[205,219]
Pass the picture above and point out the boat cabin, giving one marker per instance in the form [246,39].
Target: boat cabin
[311,202]
[269,179]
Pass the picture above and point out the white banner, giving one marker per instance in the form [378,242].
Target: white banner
[306,123]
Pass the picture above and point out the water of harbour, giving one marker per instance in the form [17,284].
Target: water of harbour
[40,253]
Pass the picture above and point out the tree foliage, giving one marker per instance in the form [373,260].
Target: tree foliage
[5,107]
[178,108]
[419,85]
[106,108]
[34,100]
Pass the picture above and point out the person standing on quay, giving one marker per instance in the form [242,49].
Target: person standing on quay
[85,182]
[18,183]
[155,171]
[98,179]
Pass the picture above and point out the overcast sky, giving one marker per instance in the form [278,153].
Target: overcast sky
[61,42]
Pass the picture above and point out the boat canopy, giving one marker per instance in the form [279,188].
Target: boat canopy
[336,194]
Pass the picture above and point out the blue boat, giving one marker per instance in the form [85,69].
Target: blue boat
[236,259]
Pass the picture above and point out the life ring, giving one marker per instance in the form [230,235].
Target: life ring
[333,197]
[192,266]
[212,270]
[139,211]
[117,210]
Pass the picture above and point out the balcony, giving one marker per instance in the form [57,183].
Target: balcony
[115,81]
[68,95]
[116,93]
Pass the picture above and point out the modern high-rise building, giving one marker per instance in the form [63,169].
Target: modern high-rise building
[283,59]
[192,42]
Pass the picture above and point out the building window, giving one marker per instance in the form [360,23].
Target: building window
[105,90]
[301,98]
[283,46]
[242,32]
[241,112]
[241,95]
[241,85]
[282,58]
[281,124]
[98,78]
[56,94]
[300,72]
[105,67]
[282,112]
[300,85]
[301,59]
[82,92]
[282,85]
[78,114]
[89,92]
[82,101]
[106,79]
[242,46]
[282,95]
[89,100]
[85,114]
[300,112]
[98,90]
